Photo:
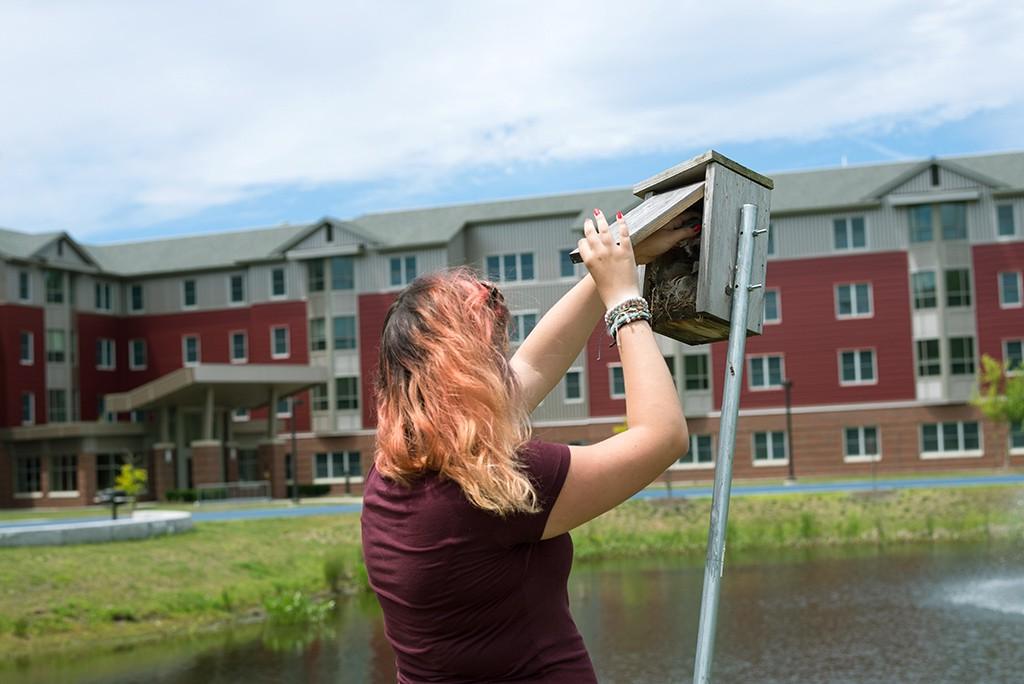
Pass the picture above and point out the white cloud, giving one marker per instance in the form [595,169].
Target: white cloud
[128,113]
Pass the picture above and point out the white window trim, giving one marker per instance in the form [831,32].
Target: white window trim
[1020,292]
[131,301]
[245,294]
[358,395]
[519,269]
[231,346]
[995,222]
[855,383]
[62,494]
[1005,350]
[750,373]
[108,291]
[405,276]
[1014,451]
[237,418]
[778,306]
[289,412]
[966,453]
[352,479]
[563,278]
[865,458]
[523,312]
[274,354]
[28,495]
[683,376]
[849,233]
[31,360]
[611,381]
[131,354]
[28,279]
[770,463]
[184,350]
[113,355]
[189,307]
[676,465]
[853,300]
[913,295]
[31,420]
[565,386]
[270,293]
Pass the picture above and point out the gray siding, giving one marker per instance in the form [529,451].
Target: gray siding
[318,239]
[544,237]
[948,180]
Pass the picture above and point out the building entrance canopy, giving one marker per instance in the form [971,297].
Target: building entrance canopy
[240,386]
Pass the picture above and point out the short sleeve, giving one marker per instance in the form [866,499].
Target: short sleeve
[547,464]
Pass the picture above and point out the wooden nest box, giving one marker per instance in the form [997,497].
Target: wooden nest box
[689,287]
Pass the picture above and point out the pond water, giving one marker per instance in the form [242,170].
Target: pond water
[908,614]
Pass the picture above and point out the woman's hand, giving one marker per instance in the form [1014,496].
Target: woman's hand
[608,254]
[668,237]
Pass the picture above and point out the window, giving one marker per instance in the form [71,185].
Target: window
[1017,436]
[960,438]
[56,405]
[857,367]
[315,276]
[1004,219]
[104,301]
[343,273]
[240,415]
[772,306]
[574,386]
[921,223]
[403,270]
[935,178]
[953,217]
[54,281]
[28,408]
[617,381]
[695,372]
[56,346]
[136,301]
[509,268]
[137,354]
[188,294]
[236,288]
[958,287]
[765,372]
[928,360]
[699,454]
[1013,355]
[849,233]
[338,466]
[26,348]
[64,473]
[566,268]
[861,444]
[1009,289]
[771,239]
[279,342]
[344,332]
[27,472]
[670,361]
[24,286]
[190,351]
[317,335]
[239,347]
[923,286]
[769,448]
[961,355]
[105,354]
[853,300]
[346,393]
[522,324]
[108,467]
[278,284]
[284,408]
[319,398]
[248,465]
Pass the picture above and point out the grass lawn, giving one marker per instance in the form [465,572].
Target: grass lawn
[99,596]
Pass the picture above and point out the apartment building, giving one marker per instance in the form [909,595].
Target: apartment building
[200,357]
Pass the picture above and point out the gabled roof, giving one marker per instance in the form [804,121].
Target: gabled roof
[24,245]
[325,221]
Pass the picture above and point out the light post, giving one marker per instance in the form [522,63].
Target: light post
[295,454]
[788,385]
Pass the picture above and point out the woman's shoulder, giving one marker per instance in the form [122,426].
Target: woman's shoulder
[547,463]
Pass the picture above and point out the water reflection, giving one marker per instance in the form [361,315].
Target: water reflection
[933,614]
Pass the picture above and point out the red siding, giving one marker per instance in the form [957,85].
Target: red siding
[373,308]
[599,355]
[994,323]
[810,336]
[14,377]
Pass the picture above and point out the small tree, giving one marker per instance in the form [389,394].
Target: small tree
[132,481]
[1000,395]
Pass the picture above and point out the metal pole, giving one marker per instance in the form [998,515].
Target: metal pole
[788,384]
[295,456]
[715,562]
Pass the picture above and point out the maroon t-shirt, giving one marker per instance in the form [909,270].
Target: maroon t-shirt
[468,596]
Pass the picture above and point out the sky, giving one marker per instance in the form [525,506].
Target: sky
[131,120]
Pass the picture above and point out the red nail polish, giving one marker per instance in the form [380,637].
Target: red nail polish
[696,229]
[618,215]
[597,212]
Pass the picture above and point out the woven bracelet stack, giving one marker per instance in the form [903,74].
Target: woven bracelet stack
[624,313]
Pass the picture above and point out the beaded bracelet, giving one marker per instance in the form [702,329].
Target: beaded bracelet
[631,304]
[629,311]
[626,319]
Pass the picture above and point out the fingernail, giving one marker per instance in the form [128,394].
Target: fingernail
[597,212]
[618,215]
[696,229]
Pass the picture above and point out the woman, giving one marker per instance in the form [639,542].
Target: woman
[465,521]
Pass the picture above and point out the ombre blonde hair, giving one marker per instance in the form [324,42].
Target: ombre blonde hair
[447,400]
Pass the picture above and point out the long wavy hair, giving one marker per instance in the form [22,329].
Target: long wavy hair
[447,400]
